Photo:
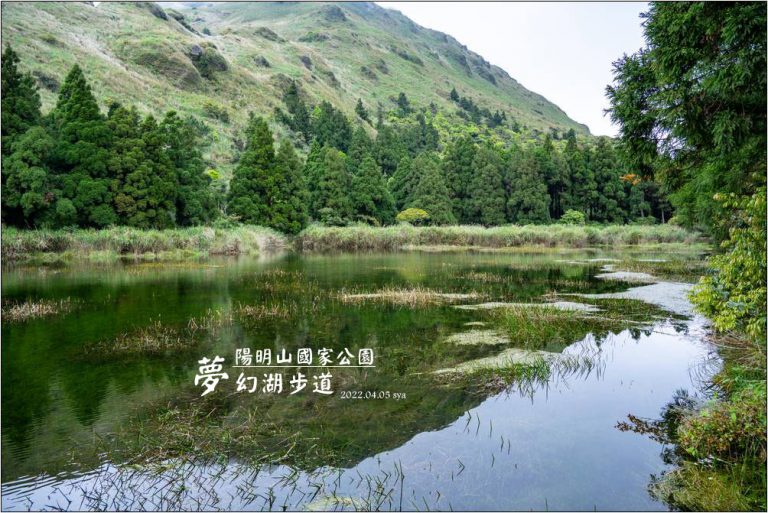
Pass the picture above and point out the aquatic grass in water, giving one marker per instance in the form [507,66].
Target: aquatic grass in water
[155,339]
[34,309]
[411,297]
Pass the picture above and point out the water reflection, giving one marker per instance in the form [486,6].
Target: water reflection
[533,445]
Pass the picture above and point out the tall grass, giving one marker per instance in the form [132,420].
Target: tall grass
[367,238]
[125,241]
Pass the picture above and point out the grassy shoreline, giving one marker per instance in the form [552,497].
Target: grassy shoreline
[47,246]
[393,238]
[42,246]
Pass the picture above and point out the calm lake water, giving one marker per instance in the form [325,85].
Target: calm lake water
[546,444]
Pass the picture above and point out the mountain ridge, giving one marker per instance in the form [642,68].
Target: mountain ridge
[221,60]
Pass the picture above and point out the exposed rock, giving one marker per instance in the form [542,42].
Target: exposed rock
[47,81]
[306,61]
[261,62]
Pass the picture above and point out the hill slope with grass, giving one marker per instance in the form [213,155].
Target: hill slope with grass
[219,61]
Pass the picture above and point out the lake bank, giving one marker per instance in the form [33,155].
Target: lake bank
[52,246]
[47,246]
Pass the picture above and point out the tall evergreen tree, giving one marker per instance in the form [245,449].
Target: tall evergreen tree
[289,209]
[487,201]
[254,180]
[610,194]
[403,105]
[152,185]
[82,152]
[389,149]
[361,111]
[30,196]
[332,204]
[195,202]
[458,168]
[528,201]
[371,198]
[297,118]
[20,100]
[331,127]
[360,148]
[431,193]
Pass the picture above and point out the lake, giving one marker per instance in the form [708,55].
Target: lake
[101,410]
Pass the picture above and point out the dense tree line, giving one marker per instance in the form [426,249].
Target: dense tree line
[78,167]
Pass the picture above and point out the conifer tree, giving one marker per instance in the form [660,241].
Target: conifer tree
[610,197]
[152,185]
[82,152]
[361,111]
[487,202]
[389,149]
[458,167]
[360,148]
[402,183]
[20,100]
[254,180]
[289,209]
[403,105]
[528,201]
[30,196]
[195,202]
[331,127]
[332,203]
[370,196]
[431,193]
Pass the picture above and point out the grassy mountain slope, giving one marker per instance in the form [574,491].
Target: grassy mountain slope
[204,59]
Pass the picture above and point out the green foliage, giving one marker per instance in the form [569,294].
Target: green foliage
[297,118]
[209,62]
[331,203]
[573,217]
[528,198]
[431,193]
[361,111]
[733,295]
[729,429]
[331,127]
[696,117]
[216,111]
[487,203]
[458,167]
[413,216]
[370,196]
[20,100]
[268,189]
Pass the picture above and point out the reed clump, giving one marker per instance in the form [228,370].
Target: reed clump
[409,297]
[392,238]
[122,241]
[26,310]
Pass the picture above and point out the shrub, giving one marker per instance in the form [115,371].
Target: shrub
[413,216]
[728,429]
[215,111]
[733,296]
[573,217]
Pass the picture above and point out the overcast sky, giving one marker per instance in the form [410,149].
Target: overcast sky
[563,51]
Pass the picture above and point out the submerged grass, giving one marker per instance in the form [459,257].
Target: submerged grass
[155,339]
[685,270]
[367,238]
[109,244]
[26,310]
[410,297]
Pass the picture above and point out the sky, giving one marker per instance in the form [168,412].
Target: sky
[563,51]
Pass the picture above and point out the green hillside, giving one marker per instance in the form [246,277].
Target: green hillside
[222,60]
